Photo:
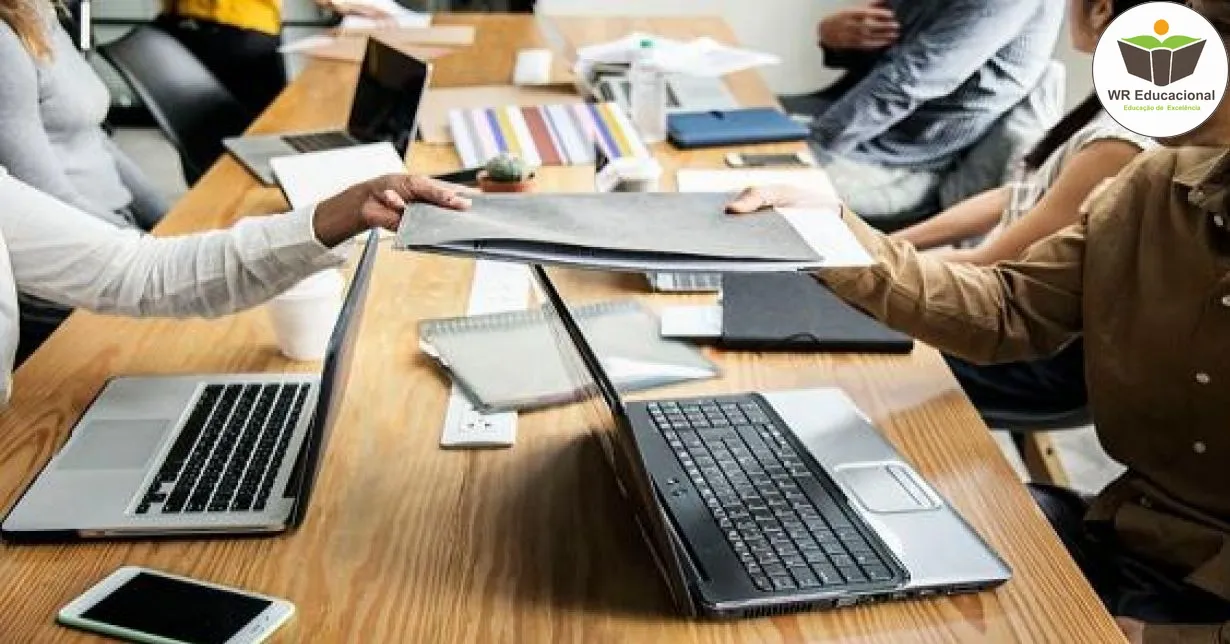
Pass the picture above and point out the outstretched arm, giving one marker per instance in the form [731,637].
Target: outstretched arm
[1011,311]
[65,256]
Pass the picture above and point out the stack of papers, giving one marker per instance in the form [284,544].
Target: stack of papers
[399,16]
[654,232]
[544,134]
[700,57]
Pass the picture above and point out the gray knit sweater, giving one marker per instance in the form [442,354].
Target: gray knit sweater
[51,137]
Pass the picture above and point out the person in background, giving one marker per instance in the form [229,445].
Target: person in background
[1144,276]
[61,254]
[1044,195]
[238,41]
[52,107]
[933,76]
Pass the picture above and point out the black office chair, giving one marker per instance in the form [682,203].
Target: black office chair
[1030,433]
[193,110]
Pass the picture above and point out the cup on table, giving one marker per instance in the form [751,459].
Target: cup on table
[630,174]
[304,315]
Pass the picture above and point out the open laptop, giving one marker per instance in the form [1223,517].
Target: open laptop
[758,503]
[196,455]
[385,108]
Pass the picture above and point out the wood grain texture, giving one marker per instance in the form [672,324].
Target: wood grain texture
[409,543]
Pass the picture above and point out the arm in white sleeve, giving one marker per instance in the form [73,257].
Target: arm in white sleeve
[66,256]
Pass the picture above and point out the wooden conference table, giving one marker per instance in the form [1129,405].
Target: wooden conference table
[406,542]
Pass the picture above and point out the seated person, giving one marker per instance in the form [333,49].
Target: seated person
[238,41]
[1047,188]
[68,257]
[1142,277]
[52,106]
[956,67]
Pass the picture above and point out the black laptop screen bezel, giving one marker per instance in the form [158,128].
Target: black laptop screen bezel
[622,450]
[384,72]
[334,378]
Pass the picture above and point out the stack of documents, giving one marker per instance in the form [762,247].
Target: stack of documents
[664,231]
[700,57]
[506,361]
[544,134]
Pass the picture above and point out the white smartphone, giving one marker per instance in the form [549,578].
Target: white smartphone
[142,605]
[796,159]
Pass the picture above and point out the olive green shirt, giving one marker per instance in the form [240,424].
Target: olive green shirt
[1145,277]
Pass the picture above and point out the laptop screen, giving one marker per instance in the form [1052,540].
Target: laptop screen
[334,377]
[387,98]
[606,418]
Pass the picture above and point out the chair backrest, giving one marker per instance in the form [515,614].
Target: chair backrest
[193,110]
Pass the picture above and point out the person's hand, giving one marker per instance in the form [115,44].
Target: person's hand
[867,27]
[1133,629]
[379,203]
[780,196]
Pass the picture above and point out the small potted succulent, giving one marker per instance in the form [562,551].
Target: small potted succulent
[506,173]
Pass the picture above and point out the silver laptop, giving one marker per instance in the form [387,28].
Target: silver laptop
[758,503]
[385,108]
[195,455]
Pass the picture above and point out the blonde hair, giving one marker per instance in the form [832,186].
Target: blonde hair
[28,20]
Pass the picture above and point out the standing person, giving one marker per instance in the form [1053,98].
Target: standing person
[938,74]
[1144,277]
[238,41]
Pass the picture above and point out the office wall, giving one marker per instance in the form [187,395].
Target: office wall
[786,28]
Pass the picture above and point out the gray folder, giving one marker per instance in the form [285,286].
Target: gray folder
[614,231]
[512,361]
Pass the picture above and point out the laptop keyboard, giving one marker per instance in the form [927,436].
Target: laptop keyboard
[787,530]
[228,452]
[318,141]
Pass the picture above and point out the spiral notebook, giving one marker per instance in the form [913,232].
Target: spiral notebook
[507,361]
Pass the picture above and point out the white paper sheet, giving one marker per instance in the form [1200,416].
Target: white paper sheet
[399,16]
[310,178]
[699,57]
[721,180]
[824,230]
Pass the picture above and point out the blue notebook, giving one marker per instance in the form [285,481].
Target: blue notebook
[733,127]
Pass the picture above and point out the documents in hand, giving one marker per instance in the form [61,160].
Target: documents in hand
[499,360]
[544,134]
[652,231]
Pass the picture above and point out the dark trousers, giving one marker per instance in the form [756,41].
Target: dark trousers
[1050,385]
[1129,585]
[246,62]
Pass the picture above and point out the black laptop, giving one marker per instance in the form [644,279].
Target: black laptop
[385,109]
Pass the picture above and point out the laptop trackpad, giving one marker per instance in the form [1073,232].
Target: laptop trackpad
[113,445]
[886,488]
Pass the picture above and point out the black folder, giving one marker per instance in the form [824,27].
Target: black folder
[794,312]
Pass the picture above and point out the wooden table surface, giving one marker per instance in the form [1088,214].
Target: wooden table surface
[406,542]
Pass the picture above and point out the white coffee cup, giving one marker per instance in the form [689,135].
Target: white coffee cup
[303,317]
[637,174]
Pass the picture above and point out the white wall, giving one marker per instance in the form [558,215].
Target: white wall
[786,28]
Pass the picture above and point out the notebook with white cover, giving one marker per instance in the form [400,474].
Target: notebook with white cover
[507,361]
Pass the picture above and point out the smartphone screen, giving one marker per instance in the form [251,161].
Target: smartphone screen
[176,609]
